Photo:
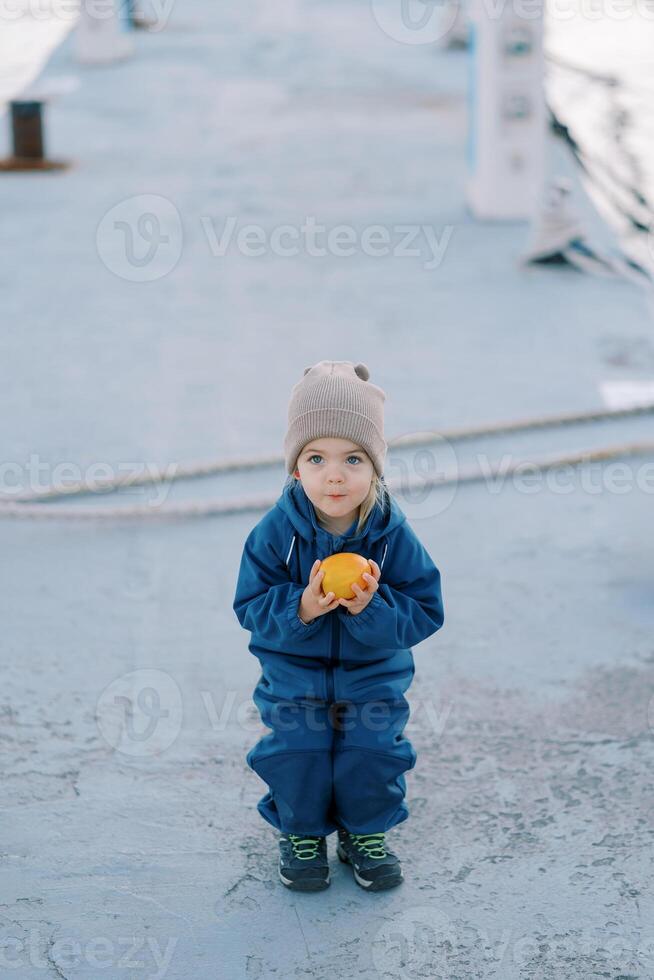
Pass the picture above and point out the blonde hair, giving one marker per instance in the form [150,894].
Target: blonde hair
[377,494]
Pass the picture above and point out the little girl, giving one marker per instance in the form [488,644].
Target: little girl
[334,671]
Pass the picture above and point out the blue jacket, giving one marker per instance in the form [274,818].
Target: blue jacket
[338,656]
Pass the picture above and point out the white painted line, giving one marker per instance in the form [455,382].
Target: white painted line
[627,394]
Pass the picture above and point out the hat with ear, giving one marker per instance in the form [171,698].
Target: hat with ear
[336,399]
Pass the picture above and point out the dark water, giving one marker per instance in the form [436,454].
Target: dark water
[600,84]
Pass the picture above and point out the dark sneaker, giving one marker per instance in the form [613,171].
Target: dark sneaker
[375,867]
[303,864]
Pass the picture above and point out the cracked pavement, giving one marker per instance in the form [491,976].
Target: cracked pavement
[131,845]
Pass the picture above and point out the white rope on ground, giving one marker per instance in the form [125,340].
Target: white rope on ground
[260,503]
[211,468]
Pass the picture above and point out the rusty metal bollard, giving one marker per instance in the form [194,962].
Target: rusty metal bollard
[28,149]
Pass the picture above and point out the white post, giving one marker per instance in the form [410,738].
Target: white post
[507,111]
[103,33]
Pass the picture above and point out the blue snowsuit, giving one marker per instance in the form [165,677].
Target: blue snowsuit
[325,771]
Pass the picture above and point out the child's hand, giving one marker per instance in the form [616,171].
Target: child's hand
[313,603]
[363,596]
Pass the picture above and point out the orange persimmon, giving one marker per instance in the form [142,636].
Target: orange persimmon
[341,570]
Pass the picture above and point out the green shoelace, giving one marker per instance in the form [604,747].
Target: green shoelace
[372,845]
[304,848]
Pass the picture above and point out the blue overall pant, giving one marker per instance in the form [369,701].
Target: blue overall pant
[331,765]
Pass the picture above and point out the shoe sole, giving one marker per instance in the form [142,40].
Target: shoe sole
[305,884]
[379,884]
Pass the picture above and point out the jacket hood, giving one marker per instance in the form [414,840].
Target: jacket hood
[301,513]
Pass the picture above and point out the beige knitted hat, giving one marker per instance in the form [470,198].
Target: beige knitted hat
[336,399]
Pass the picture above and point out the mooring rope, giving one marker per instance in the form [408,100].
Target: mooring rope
[265,502]
[214,467]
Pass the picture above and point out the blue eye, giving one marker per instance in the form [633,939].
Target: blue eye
[318,456]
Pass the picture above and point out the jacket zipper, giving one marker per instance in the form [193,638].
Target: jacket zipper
[332,661]
[333,656]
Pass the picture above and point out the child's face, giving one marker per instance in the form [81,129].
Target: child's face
[335,466]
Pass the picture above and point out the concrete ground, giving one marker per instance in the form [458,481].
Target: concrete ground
[131,844]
